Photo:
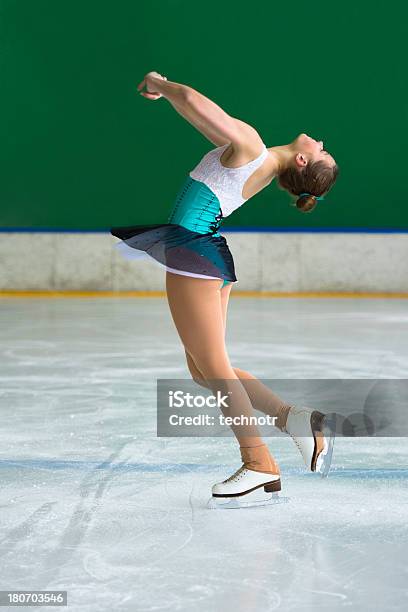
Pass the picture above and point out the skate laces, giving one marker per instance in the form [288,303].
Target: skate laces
[236,476]
[296,441]
[296,411]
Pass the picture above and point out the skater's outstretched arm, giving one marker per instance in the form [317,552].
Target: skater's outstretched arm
[204,114]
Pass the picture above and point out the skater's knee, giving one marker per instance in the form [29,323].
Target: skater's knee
[194,371]
[214,368]
[207,371]
[198,379]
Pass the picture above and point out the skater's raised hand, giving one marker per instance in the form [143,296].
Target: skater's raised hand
[150,93]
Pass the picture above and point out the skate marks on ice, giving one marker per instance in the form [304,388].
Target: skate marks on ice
[54,533]
[316,551]
[99,527]
[133,536]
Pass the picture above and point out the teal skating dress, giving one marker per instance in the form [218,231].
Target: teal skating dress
[189,243]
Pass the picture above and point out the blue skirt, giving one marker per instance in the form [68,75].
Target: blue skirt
[178,249]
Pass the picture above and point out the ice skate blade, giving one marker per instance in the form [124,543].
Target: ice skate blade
[324,461]
[250,500]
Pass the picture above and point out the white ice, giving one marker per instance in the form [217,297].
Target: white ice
[92,502]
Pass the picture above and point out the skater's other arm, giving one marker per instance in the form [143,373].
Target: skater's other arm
[204,114]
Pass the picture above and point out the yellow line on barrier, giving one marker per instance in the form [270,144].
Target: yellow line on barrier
[144,294]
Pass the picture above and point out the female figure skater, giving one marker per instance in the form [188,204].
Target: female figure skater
[200,272]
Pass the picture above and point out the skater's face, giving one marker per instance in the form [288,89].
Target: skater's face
[309,149]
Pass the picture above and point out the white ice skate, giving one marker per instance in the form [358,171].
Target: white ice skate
[247,488]
[313,433]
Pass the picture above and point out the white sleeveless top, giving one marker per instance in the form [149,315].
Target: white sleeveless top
[226,183]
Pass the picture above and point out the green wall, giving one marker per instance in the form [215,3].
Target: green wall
[80,149]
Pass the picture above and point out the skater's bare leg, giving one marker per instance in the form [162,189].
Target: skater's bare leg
[261,397]
[196,307]
[315,449]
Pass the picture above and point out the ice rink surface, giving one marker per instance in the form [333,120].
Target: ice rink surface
[92,502]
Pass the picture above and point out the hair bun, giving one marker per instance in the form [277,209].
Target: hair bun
[306,203]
